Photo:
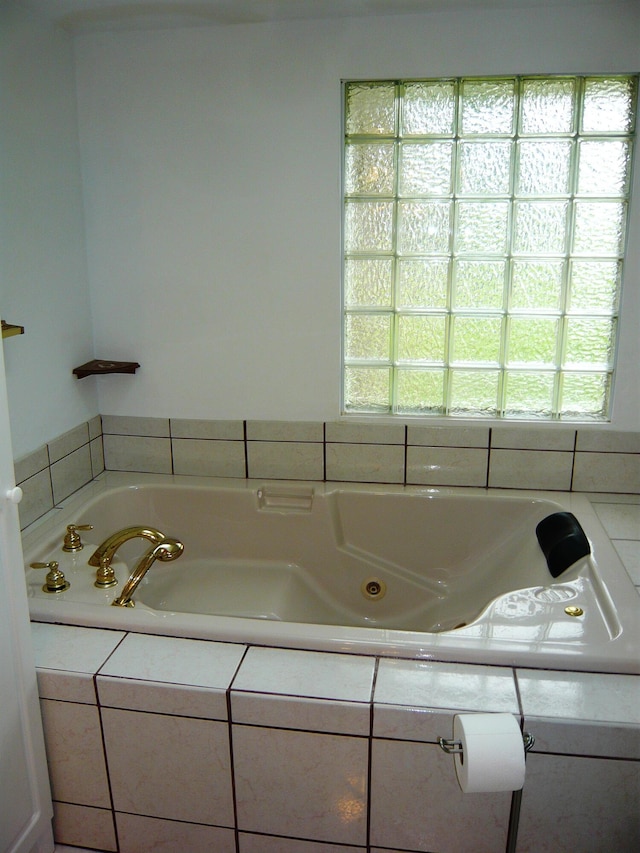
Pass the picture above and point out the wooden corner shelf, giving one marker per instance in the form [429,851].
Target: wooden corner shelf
[100,366]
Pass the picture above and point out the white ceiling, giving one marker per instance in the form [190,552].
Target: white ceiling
[82,15]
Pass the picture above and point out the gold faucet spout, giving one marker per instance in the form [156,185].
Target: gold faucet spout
[168,549]
[103,555]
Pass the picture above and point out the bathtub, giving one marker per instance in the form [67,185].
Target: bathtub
[412,572]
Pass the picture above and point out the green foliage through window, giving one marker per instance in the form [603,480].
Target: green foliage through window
[484,230]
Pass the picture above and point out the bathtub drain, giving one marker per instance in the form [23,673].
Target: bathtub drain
[373,588]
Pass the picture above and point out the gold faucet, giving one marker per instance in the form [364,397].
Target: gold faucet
[168,549]
[103,555]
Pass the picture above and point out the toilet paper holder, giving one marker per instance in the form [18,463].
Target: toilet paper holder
[454,747]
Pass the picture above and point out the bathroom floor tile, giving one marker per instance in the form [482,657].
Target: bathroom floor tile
[137,834]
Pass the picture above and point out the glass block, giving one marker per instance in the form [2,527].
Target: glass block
[424,227]
[585,395]
[540,227]
[367,389]
[479,284]
[422,283]
[482,227]
[608,105]
[544,168]
[533,340]
[368,226]
[594,286]
[536,285]
[369,169]
[420,392]
[367,336]
[426,169]
[473,392]
[487,106]
[371,108]
[599,228]
[589,341]
[529,393]
[421,338]
[428,108]
[485,168]
[368,282]
[603,168]
[476,339]
[548,106]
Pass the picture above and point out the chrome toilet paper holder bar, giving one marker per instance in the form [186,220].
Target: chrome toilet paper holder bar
[454,747]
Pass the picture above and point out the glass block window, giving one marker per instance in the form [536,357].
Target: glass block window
[484,231]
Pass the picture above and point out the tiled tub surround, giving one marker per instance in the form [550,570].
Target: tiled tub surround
[282,564]
[189,745]
[559,458]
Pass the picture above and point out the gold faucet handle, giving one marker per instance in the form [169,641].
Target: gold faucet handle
[72,541]
[55,580]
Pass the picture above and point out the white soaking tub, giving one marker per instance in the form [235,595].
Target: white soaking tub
[440,574]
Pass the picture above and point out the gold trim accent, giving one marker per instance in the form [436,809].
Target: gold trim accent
[9,330]
[574,610]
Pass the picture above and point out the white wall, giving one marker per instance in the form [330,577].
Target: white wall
[211,161]
[43,278]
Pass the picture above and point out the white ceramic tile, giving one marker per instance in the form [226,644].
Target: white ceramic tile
[285,460]
[175,660]
[365,463]
[447,466]
[416,803]
[95,427]
[208,703]
[607,472]
[606,440]
[189,428]
[359,433]
[37,497]
[585,804]
[300,784]
[446,685]
[448,436]
[530,469]
[207,458]
[73,649]
[71,473]
[402,722]
[320,675]
[68,442]
[83,825]
[126,425]
[285,431]
[170,767]
[621,521]
[97,456]
[66,686]
[264,844]
[292,712]
[29,465]
[75,753]
[137,453]
[533,438]
[580,696]
[629,552]
[137,834]
[574,737]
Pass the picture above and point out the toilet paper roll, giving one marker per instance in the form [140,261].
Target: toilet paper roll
[492,757]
